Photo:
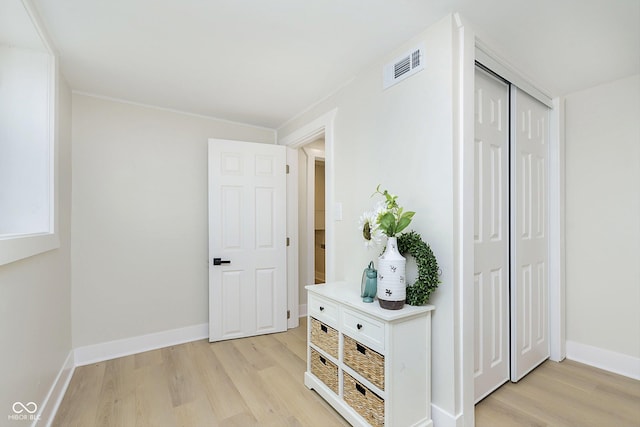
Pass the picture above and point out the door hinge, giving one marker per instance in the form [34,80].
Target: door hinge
[287,168]
[288,241]
[288,314]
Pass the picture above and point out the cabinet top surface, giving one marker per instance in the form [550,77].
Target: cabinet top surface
[349,295]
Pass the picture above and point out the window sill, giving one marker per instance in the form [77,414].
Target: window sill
[14,248]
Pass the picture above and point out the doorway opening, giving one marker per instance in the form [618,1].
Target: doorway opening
[319,223]
[311,215]
[313,140]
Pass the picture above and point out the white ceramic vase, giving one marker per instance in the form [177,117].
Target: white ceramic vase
[392,283]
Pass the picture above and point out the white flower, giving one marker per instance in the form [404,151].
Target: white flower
[379,209]
[387,218]
[368,226]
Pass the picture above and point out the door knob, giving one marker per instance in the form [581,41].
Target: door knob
[220,261]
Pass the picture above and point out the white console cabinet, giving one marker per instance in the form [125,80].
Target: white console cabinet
[372,365]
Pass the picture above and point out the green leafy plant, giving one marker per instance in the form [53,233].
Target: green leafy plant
[391,217]
[428,272]
[388,218]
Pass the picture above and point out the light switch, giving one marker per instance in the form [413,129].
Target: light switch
[337,213]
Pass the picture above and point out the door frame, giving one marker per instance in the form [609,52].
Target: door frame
[304,135]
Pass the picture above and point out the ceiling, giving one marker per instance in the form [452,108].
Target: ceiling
[16,28]
[262,62]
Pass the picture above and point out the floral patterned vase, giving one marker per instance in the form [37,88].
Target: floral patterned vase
[392,284]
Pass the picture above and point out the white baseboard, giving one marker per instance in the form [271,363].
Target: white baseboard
[302,310]
[442,418]
[608,360]
[51,402]
[128,346]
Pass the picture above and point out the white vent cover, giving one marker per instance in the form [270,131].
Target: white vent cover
[403,67]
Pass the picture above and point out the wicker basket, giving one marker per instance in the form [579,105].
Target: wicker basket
[325,370]
[364,401]
[364,361]
[325,337]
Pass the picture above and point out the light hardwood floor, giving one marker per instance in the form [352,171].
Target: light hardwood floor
[255,381]
[258,381]
[563,394]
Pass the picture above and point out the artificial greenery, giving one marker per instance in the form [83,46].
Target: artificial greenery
[392,219]
[428,274]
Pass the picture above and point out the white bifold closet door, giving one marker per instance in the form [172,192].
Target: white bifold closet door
[510,242]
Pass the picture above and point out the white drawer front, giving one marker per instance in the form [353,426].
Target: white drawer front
[323,310]
[363,328]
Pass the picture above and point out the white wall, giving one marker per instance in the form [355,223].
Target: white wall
[35,295]
[401,138]
[603,217]
[140,244]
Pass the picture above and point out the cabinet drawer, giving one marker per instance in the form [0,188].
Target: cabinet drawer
[364,401]
[325,337]
[365,329]
[324,370]
[323,310]
[363,360]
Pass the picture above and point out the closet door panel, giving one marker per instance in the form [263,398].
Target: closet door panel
[529,238]
[491,236]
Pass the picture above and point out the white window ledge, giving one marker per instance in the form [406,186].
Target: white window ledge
[15,248]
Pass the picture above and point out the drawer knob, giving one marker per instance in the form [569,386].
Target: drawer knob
[359,326]
[321,308]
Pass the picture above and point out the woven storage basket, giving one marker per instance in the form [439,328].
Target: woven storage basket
[364,401]
[364,361]
[325,370]
[324,337]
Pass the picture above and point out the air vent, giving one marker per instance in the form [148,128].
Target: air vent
[403,67]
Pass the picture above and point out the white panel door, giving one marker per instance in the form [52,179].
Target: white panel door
[491,235]
[529,234]
[247,239]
